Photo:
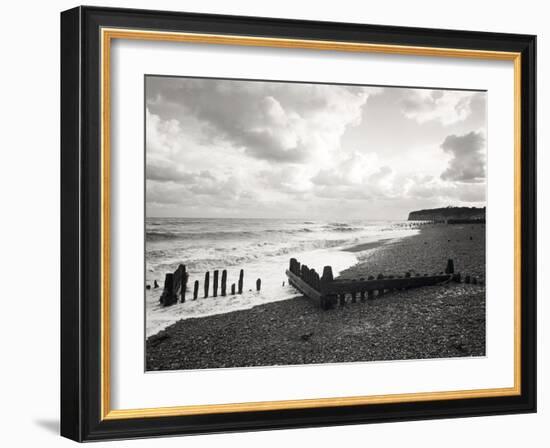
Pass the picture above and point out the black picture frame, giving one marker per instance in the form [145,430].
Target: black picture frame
[81,224]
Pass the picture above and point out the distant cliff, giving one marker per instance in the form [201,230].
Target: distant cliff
[449,215]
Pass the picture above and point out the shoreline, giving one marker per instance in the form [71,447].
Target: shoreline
[294,331]
[361,247]
[339,258]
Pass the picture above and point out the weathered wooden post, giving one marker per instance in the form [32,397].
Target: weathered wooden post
[224,282]
[327,301]
[196,290]
[353,294]
[258,284]
[156,284]
[315,279]
[241,275]
[168,297]
[327,274]
[215,286]
[450,269]
[306,273]
[206,284]
[233,289]
[370,292]
[184,287]
[342,298]
[292,266]
[180,281]
[407,275]
[381,290]
[391,277]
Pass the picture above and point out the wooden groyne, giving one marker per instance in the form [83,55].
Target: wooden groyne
[175,286]
[328,292]
[324,289]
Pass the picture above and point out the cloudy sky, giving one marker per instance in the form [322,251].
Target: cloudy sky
[229,148]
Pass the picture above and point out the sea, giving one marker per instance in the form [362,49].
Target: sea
[261,247]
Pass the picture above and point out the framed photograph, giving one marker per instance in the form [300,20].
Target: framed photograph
[273,223]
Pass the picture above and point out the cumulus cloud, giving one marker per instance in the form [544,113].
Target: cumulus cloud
[279,122]
[165,172]
[445,192]
[352,169]
[200,188]
[468,157]
[446,106]
[272,149]
[356,176]
[162,135]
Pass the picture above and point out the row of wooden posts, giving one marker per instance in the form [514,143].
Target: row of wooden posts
[328,292]
[175,285]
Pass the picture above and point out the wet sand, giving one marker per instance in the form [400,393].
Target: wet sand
[443,321]
[367,246]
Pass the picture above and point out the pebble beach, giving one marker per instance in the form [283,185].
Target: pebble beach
[443,321]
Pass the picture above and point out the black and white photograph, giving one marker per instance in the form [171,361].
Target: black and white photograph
[292,223]
[283,220]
